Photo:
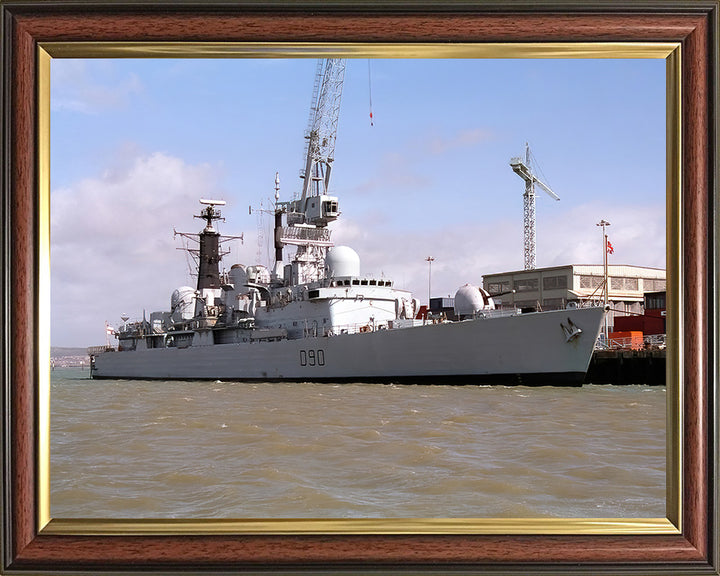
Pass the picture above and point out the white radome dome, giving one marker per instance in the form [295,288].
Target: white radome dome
[342,261]
[470,299]
[182,303]
[182,294]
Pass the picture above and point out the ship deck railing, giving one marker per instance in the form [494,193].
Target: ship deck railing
[94,350]
[400,324]
[649,342]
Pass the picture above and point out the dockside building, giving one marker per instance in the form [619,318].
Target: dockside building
[555,287]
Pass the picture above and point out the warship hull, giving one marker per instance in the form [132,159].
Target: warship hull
[537,348]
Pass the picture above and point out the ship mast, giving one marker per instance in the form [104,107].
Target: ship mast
[208,254]
[209,259]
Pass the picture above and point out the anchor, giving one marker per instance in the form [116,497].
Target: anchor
[571,331]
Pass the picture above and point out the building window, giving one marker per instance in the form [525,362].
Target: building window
[498,287]
[653,285]
[616,283]
[655,302]
[555,283]
[526,285]
[626,284]
[591,282]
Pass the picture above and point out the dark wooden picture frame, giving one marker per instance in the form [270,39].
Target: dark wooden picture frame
[26,25]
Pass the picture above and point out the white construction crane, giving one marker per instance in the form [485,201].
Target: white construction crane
[315,206]
[307,217]
[524,170]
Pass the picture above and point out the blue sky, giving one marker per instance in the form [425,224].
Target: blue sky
[136,143]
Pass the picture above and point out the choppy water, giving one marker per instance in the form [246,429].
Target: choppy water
[240,450]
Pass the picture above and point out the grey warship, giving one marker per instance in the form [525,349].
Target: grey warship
[314,316]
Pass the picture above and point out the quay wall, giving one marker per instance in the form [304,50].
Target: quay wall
[625,367]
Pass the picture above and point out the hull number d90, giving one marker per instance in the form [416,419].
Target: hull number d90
[312,357]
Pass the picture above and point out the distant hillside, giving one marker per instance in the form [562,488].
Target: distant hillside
[60,352]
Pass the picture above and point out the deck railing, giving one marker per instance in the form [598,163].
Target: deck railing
[649,342]
[93,350]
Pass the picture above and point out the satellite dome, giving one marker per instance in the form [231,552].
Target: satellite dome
[470,299]
[342,261]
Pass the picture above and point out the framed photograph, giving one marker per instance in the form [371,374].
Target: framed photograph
[683,34]
[434,451]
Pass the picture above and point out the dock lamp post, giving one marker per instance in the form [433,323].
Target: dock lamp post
[603,224]
[429,260]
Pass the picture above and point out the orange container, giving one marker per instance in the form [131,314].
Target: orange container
[632,339]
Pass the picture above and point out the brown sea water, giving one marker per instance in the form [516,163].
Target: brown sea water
[141,449]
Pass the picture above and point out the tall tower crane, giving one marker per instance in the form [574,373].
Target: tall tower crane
[320,145]
[307,217]
[524,170]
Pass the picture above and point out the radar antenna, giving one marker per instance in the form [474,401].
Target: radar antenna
[210,213]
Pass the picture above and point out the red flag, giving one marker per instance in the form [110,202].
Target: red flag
[610,248]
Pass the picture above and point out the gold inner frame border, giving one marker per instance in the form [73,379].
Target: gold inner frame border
[671,52]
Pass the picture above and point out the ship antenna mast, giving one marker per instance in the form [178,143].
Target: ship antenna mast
[208,254]
[524,170]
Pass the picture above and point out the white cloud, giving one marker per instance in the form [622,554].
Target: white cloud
[112,246]
[441,144]
[466,250]
[394,172]
[404,171]
[637,233]
[77,89]
[463,252]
